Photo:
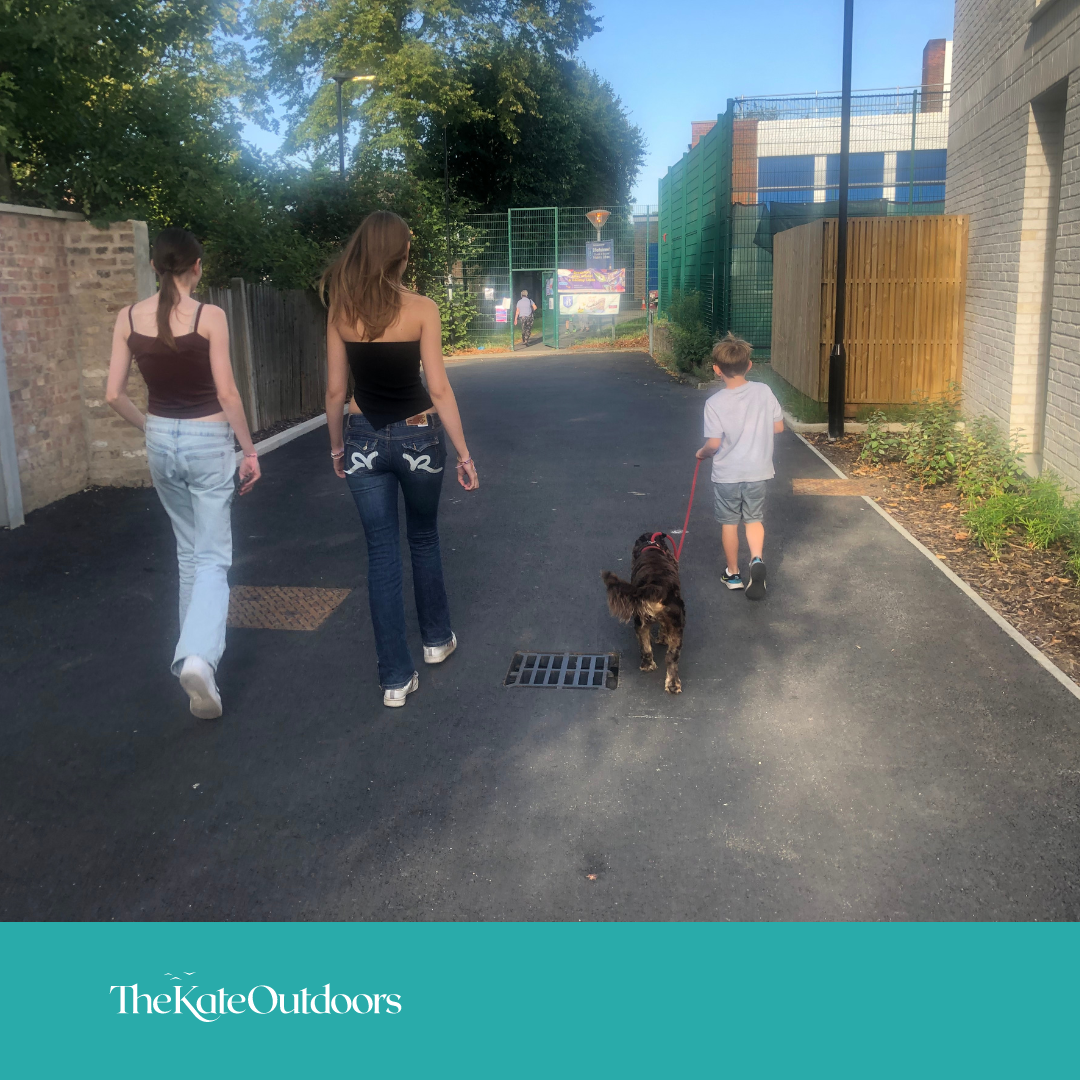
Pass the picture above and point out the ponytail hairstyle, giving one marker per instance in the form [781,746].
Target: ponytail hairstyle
[363,285]
[175,253]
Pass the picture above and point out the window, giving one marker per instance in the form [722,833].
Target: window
[929,176]
[865,175]
[786,179]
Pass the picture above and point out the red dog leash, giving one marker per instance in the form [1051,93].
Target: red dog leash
[686,523]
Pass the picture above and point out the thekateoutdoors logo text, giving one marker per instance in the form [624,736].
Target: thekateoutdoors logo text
[261,1000]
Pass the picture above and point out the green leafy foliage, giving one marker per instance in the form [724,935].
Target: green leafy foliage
[691,338]
[988,462]
[574,145]
[1040,511]
[526,123]
[117,109]
[987,469]
[879,444]
[930,443]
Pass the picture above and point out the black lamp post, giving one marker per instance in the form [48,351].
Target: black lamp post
[838,357]
[449,258]
[344,77]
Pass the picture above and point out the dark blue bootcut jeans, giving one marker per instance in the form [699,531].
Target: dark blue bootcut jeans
[377,463]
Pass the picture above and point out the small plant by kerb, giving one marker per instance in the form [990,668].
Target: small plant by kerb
[987,468]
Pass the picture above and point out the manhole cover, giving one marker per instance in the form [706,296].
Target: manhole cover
[258,607]
[590,671]
[837,487]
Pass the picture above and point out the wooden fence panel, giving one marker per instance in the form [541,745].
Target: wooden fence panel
[277,341]
[906,284]
[797,306]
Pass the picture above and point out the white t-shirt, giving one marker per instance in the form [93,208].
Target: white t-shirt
[742,418]
[524,307]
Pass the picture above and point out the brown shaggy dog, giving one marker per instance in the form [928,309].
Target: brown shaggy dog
[652,596]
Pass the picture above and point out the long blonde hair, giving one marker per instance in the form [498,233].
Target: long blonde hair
[363,285]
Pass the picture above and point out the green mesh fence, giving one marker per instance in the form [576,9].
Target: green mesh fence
[497,256]
[772,163]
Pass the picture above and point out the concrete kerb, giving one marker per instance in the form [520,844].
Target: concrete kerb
[1037,654]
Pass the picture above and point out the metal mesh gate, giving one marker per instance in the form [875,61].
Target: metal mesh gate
[496,256]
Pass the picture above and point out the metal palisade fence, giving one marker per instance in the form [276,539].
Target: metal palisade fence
[771,163]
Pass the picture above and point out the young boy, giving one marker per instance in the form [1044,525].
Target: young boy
[740,422]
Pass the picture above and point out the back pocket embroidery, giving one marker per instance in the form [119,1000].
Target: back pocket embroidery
[362,461]
[422,462]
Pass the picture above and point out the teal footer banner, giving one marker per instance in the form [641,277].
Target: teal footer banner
[544,1000]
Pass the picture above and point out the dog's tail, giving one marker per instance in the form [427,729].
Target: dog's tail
[625,601]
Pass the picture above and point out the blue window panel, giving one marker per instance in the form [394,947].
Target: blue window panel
[929,175]
[786,179]
[863,169]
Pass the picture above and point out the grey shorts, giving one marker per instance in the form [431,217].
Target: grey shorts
[739,502]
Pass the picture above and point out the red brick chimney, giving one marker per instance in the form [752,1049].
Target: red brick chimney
[933,74]
[699,129]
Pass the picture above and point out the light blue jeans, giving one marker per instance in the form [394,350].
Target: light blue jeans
[192,463]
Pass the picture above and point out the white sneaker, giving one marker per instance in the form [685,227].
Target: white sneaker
[394,699]
[436,654]
[197,678]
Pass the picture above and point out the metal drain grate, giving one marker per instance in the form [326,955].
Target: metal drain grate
[255,607]
[592,671]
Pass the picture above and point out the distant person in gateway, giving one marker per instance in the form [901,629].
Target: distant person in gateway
[524,310]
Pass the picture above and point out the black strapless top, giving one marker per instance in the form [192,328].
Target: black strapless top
[386,379]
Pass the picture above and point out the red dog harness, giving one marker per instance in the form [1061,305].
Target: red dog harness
[658,544]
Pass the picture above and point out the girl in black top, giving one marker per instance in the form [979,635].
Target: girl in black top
[383,334]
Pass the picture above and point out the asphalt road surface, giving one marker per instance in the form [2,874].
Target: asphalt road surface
[864,744]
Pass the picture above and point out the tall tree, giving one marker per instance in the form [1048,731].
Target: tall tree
[116,107]
[423,54]
[574,146]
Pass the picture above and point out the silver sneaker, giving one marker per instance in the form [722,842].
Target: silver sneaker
[436,654]
[394,699]
[197,678]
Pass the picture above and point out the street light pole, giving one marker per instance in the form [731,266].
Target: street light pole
[344,77]
[449,260]
[838,357]
[340,130]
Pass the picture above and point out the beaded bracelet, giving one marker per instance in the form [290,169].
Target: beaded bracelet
[465,461]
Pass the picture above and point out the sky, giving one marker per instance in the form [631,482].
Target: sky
[677,61]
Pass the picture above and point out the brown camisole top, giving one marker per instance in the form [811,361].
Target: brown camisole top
[179,381]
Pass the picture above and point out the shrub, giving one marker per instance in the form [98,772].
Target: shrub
[988,463]
[691,339]
[1039,510]
[879,444]
[930,444]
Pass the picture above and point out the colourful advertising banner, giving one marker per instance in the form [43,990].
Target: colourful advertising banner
[593,281]
[578,303]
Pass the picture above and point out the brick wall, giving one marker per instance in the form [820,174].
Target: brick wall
[1003,60]
[43,377]
[62,280]
[1061,447]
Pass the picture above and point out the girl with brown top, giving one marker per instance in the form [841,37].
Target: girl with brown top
[194,409]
